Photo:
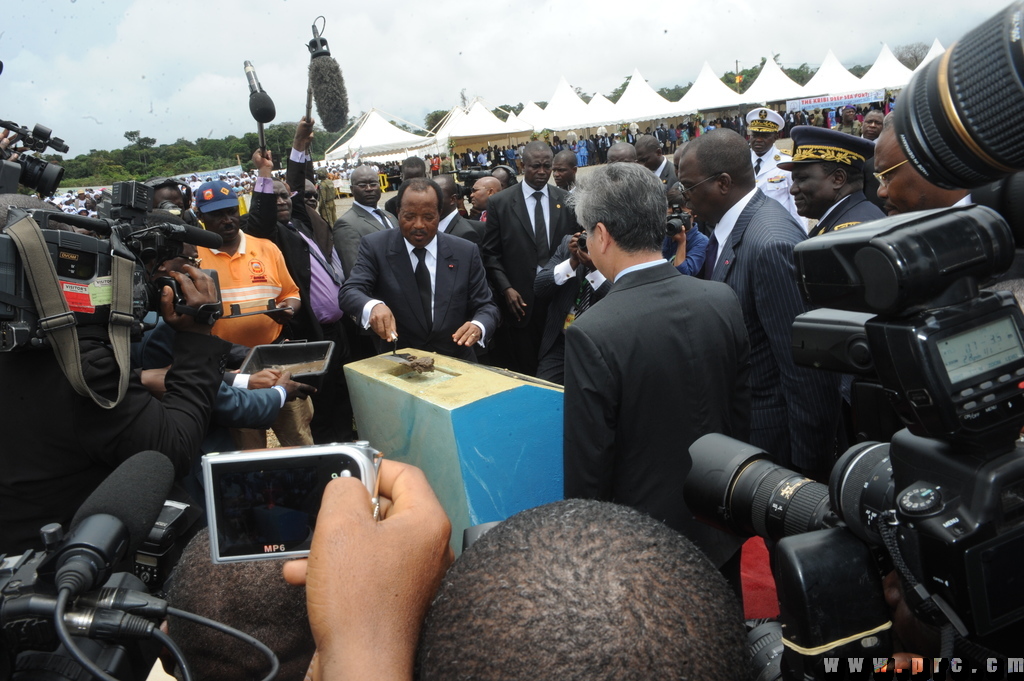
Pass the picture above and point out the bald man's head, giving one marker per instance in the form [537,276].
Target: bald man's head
[622,152]
[483,189]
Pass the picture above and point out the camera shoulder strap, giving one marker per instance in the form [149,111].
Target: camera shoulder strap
[57,321]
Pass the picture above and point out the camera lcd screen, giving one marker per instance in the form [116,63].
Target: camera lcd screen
[972,353]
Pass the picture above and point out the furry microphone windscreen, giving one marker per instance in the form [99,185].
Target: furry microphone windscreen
[329,93]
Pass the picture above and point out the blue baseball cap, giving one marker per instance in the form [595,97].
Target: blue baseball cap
[214,196]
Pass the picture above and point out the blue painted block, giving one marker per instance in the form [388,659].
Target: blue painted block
[490,444]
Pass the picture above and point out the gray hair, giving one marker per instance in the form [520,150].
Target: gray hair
[628,200]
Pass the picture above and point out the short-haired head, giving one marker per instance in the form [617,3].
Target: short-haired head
[504,177]
[250,596]
[537,147]
[413,167]
[580,590]
[724,151]
[421,184]
[628,200]
[648,151]
[622,152]
[567,157]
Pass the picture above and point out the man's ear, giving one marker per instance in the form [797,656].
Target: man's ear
[604,239]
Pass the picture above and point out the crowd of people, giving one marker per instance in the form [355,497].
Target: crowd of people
[659,289]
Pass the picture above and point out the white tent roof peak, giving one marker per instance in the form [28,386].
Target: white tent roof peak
[772,85]
[565,109]
[886,72]
[532,114]
[374,134]
[708,92]
[639,101]
[832,78]
[936,51]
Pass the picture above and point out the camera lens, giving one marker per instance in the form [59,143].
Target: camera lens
[861,488]
[736,487]
[40,175]
[951,119]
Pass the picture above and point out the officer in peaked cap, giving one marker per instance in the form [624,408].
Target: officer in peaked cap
[764,125]
[827,170]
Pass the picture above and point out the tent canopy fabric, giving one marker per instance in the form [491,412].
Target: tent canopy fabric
[707,93]
[533,115]
[772,85]
[936,51]
[374,135]
[639,102]
[886,73]
[565,109]
[831,78]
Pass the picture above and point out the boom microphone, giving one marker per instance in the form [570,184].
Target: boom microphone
[326,85]
[114,521]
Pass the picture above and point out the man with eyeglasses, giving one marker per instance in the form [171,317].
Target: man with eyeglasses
[900,185]
[795,410]
[828,178]
[364,217]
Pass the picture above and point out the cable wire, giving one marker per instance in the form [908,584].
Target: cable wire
[241,635]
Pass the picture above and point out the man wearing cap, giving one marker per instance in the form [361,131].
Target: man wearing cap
[764,126]
[849,124]
[827,171]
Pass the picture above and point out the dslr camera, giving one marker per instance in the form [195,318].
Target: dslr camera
[941,501]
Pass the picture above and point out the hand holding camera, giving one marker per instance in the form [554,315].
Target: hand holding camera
[198,289]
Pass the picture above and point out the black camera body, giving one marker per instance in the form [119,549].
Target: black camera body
[30,171]
[678,223]
[468,178]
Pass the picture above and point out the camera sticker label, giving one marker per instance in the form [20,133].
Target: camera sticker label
[101,291]
[77,296]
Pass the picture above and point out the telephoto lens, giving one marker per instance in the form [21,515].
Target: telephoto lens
[952,117]
[737,488]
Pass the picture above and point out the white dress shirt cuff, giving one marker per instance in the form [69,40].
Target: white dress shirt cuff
[240,381]
[563,272]
[284,393]
[483,332]
[365,319]
[298,156]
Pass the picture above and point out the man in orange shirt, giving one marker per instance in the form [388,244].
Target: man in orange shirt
[251,272]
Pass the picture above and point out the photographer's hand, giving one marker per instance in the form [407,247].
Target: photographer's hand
[368,583]
[7,140]
[198,289]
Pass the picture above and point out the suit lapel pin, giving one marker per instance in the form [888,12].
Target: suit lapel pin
[451,267]
[558,205]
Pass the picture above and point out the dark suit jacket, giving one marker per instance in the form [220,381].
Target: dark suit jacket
[470,230]
[384,271]
[795,410]
[509,247]
[658,363]
[560,298]
[851,211]
[350,228]
[668,175]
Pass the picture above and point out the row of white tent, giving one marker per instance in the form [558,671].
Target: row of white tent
[476,126]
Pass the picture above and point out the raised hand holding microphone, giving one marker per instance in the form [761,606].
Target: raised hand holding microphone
[261,106]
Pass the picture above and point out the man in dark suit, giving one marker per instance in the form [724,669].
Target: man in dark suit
[451,222]
[424,289]
[795,410]
[571,284]
[524,222]
[650,155]
[827,168]
[661,361]
[362,218]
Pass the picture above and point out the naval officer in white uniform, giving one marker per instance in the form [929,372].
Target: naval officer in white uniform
[763,126]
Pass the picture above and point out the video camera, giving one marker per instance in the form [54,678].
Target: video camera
[941,503]
[30,171]
[84,261]
[468,178]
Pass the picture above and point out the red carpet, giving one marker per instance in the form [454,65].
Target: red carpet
[759,598]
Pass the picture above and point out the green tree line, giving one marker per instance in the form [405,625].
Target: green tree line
[142,158]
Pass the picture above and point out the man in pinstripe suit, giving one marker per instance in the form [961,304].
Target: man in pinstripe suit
[795,410]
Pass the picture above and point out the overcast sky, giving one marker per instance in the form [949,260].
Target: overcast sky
[92,69]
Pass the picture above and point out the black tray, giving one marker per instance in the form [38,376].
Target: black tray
[314,355]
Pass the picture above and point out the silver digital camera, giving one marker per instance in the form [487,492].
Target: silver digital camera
[262,504]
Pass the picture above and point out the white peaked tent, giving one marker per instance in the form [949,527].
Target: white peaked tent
[832,78]
[886,73]
[772,85]
[477,127]
[375,136]
[639,102]
[532,115]
[601,109]
[707,93]
[565,109]
[936,51]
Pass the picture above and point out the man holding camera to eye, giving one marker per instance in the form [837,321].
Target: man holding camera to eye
[658,344]
[60,445]
[571,283]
